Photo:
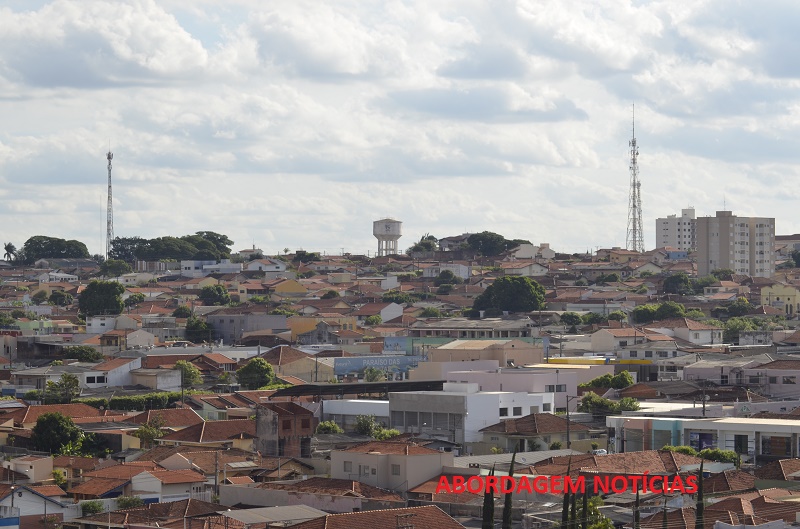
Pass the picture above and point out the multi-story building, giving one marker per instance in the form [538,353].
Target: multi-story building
[677,232]
[742,244]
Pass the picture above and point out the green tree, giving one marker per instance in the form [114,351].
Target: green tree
[64,390]
[41,247]
[683,449]
[699,284]
[395,296]
[101,297]
[677,284]
[618,315]
[39,297]
[717,454]
[740,307]
[373,320]
[197,331]
[386,433]
[723,274]
[670,309]
[83,353]
[115,268]
[444,290]
[446,277]
[570,318]
[644,313]
[427,243]
[487,243]
[373,374]
[214,295]
[592,317]
[129,502]
[10,251]
[302,256]
[60,298]
[53,431]
[90,507]
[695,314]
[513,294]
[150,431]
[329,427]
[555,445]
[190,375]
[613,277]
[134,299]
[255,374]
[734,326]
[59,479]
[431,312]
[366,425]
[124,249]
[488,505]
[331,294]
[183,311]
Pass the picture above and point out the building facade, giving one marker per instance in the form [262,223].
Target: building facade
[677,232]
[742,244]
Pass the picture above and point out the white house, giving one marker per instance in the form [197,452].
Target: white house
[459,270]
[266,265]
[168,485]
[100,324]
[689,330]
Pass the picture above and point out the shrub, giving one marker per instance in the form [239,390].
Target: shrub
[329,427]
[91,507]
[129,502]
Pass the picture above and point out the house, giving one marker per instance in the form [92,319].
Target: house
[168,485]
[386,311]
[161,379]
[266,265]
[23,505]
[123,339]
[233,433]
[27,417]
[538,430]
[459,270]
[688,330]
[523,268]
[171,418]
[389,465]
[284,429]
[231,323]
[782,296]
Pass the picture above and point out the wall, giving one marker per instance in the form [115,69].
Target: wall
[231,495]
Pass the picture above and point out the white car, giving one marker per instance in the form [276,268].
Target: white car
[600,452]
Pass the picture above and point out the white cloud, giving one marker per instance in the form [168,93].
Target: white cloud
[295,123]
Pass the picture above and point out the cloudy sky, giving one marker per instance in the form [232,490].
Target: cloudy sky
[296,124]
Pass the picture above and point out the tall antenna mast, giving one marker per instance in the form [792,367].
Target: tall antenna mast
[635,238]
[110,208]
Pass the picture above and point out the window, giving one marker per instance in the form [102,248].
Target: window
[348,466]
[90,380]
[648,354]
[395,470]
[101,379]
[503,412]
[723,379]
[561,388]
[550,388]
[634,354]
[740,444]
[663,354]
[789,380]
[546,406]
[773,380]
[753,379]
[305,423]
[517,410]
[286,424]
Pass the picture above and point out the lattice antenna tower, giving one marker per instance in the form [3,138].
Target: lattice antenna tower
[109,208]
[635,238]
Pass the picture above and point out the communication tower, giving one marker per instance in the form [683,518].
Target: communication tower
[109,208]
[635,239]
[388,231]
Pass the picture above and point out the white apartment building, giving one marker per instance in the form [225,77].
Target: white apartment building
[677,232]
[743,244]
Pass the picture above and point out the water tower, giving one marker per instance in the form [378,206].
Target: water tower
[388,231]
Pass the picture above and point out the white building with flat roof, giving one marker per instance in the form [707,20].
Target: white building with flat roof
[677,232]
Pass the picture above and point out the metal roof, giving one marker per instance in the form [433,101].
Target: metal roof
[271,515]
[523,458]
[360,387]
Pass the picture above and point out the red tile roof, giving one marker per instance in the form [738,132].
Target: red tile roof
[98,486]
[32,413]
[214,431]
[172,417]
[114,363]
[335,487]
[535,424]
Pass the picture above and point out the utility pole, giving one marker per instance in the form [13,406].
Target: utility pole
[635,238]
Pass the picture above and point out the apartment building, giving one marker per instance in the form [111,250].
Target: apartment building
[743,244]
[677,232]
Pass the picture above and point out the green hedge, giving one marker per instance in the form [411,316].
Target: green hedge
[147,401]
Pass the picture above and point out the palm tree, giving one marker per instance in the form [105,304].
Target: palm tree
[11,251]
